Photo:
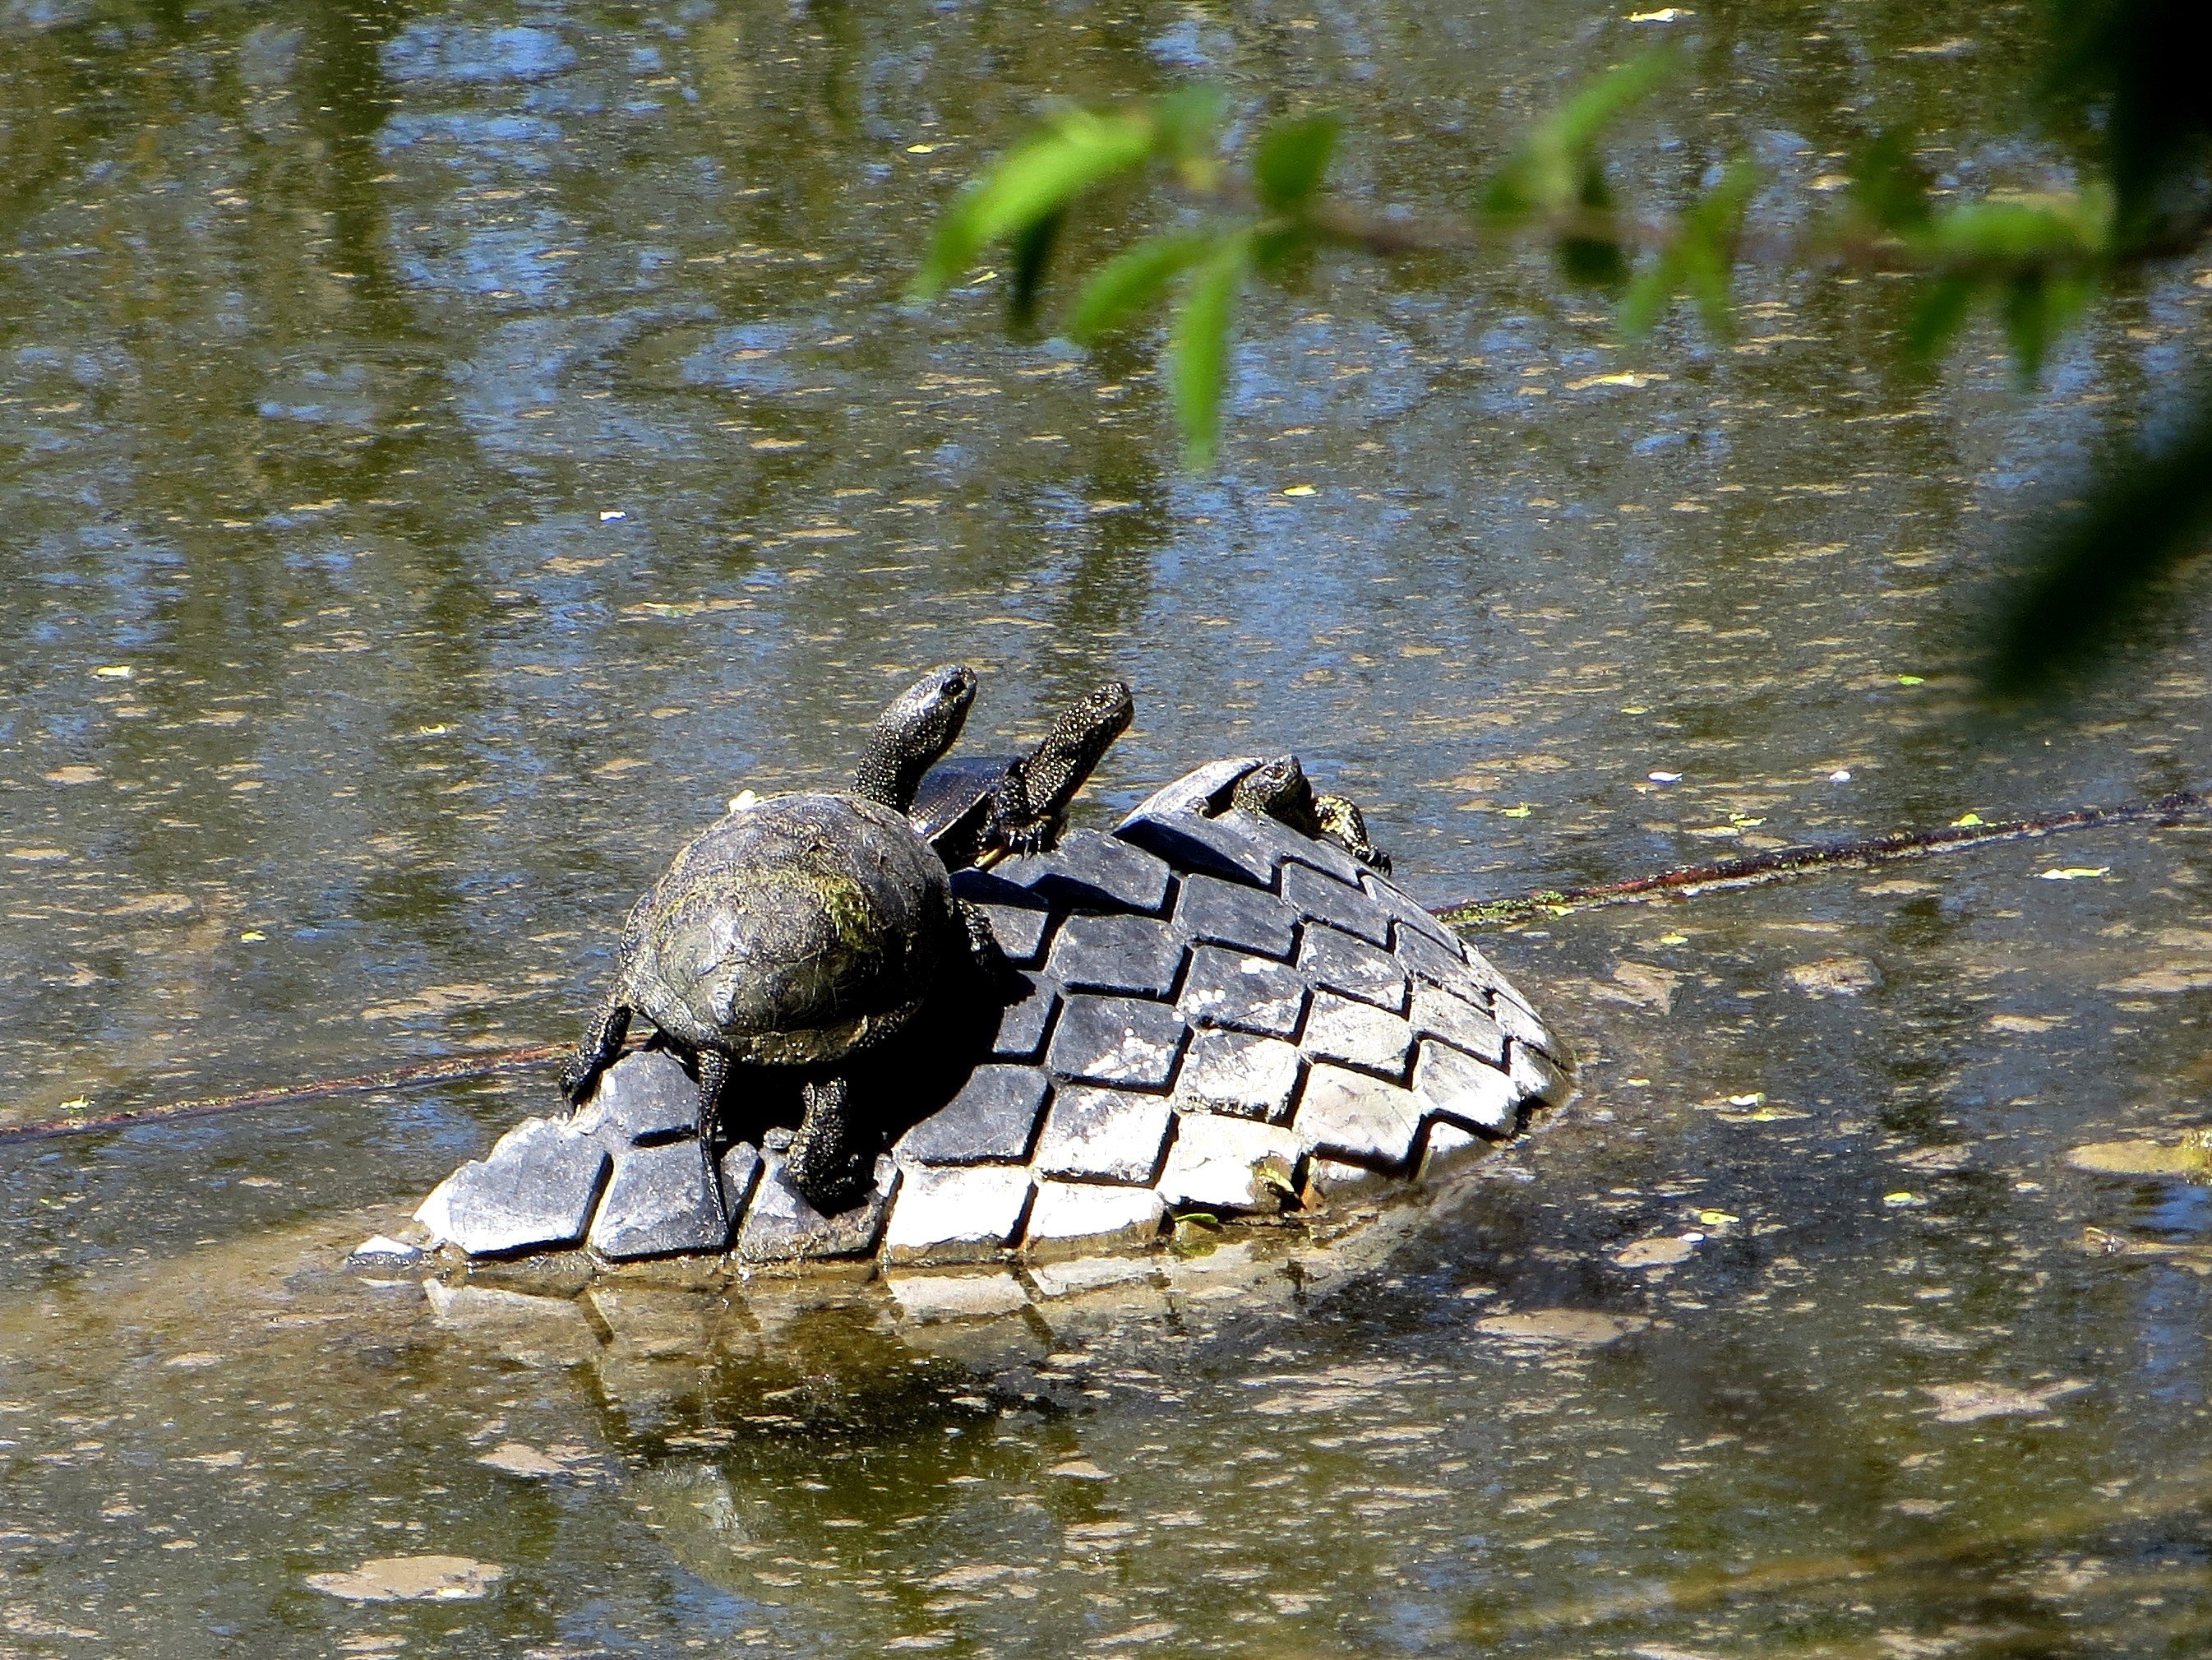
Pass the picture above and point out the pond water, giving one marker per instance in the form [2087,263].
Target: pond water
[448,449]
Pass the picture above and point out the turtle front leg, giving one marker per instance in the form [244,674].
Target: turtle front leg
[829,1163]
[602,1042]
[1342,822]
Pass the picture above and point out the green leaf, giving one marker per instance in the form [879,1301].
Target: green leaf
[1889,188]
[1648,297]
[2144,514]
[1594,108]
[1041,177]
[1699,262]
[1292,157]
[1715,225]
[1596,261]
[1198,350]
[1545,172]
[1187,119]
[1131,280]
[1032,249]
[1939,314]
[1279,249]
[2038,308]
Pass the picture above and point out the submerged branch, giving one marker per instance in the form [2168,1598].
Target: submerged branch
[1751,872]
[427,1072]
[1757,869]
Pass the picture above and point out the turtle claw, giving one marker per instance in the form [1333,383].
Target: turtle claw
[576,1079]
[602,1041]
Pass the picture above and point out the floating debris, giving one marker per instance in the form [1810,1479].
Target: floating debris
[1969,1403]
[2192,1158]
[412,1579]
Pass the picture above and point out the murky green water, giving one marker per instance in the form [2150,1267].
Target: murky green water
[447,450]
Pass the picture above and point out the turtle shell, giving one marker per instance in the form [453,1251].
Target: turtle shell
[955,795]
[794,932]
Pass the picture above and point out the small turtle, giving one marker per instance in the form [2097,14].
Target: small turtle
[977,810]
[797,931]
[1280,790]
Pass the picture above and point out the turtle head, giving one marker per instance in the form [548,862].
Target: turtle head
[1096,718]
[1278,790]
[913,734]
[1034,800]
[1079,738]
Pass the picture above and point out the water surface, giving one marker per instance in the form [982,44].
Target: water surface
[449,449]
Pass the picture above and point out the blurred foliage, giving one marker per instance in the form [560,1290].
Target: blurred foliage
[2123,87]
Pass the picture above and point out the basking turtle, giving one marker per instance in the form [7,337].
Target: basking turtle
[798,930]
[978,810]
[1280,790]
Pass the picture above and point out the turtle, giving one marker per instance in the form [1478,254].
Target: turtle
[1279,789]
[979,809]
[797,931]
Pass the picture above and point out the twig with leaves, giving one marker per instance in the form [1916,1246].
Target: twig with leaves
[2131,68]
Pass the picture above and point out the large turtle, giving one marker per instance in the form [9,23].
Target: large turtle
[1280,790]
[981,809]
[799,930]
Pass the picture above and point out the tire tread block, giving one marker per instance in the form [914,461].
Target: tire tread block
[1129,1040]
[1246,994]
[1103,1135]
[1088,870]
[1335,960]
[993,1119]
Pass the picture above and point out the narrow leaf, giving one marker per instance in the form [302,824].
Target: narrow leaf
[1187,119]
[1889,188]
[1131,280]
[1939,314]
[1597,106]
[2020,229]
[1543,175]
[1032,251]
[1714,229]
[1197,351]
[1041,177]
[2026,322]
[2144,514]
[2038,308]
[1292,157]
[1699,262]
[1647,298]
